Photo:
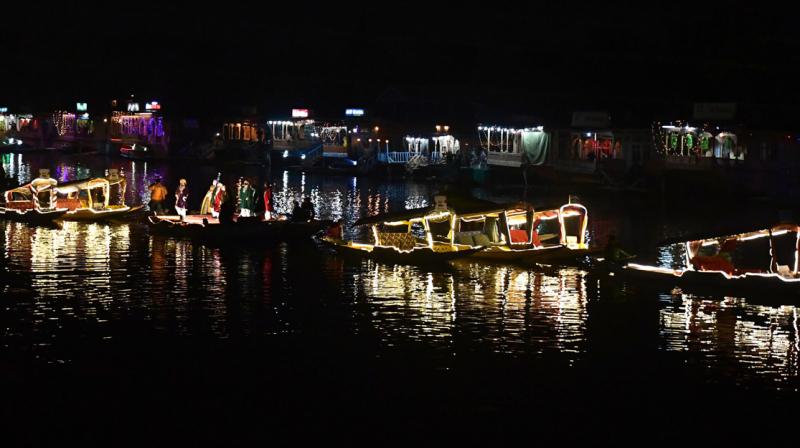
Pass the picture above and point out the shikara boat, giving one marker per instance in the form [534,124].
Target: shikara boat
[762,261]
[251,230]
[419,236]
[34,203]
[136,152]
[97,199]
[518,233]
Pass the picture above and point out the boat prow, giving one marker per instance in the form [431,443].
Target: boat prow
[32,216]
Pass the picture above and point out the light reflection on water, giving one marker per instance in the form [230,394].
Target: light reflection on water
[731,336]
[95,281]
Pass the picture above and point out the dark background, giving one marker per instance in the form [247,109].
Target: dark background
[541,59]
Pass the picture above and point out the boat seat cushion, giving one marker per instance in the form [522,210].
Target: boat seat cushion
[20,205]
[518,236]
[481,240]
[402,241]
[464,238]
[69,203]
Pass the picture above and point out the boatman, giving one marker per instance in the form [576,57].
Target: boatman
[158,192]
[613,252]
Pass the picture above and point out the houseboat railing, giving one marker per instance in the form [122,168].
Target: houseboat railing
[394,157]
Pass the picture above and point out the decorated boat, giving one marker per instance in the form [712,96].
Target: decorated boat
[518,233]
[250,230]
[95,199]
[34,202]
[136,151]
[418,236]
[763,261]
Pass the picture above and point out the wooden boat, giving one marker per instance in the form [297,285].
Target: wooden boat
[518,233]
[421,254]
[419,236]
[250,230]
[97,199]
[34,203]
[763,262]
[136,152]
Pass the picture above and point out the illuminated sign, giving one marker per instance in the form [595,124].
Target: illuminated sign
[354,112]
[133,107]
[84,116]
[81,107]
[299,113]
[3,110]
[153,105]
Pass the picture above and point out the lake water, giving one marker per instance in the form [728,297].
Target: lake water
[100,320]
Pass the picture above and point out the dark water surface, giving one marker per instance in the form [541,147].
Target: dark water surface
[110,331]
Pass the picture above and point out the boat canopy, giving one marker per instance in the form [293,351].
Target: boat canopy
[464,207]
[84,184]
[73,189]
[33,191]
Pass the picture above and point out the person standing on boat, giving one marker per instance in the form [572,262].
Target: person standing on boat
[181,199]
[613,252]
[269,208]
[158,193]
[220,196]
[246,199]
[308,209]
[208,201]
[298,214]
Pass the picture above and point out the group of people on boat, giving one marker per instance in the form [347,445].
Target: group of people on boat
[246,202]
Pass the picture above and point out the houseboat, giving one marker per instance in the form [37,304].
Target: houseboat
[242,141]
[295,141]
[139,131]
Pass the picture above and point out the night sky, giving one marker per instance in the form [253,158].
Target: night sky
[540,60]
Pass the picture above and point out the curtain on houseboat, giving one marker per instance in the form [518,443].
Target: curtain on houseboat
[534,146]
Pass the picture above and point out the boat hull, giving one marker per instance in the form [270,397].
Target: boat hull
[32,216]
[249,230]
[546,255]
[716,283]
[417,256]
[90,215]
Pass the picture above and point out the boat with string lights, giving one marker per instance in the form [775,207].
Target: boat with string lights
[418,236]
[518,233]
[34,203]
[97,199]
[763,261]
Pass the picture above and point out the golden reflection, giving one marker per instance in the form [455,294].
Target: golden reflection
[734,333]
[509,309]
